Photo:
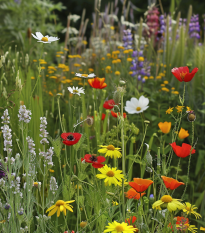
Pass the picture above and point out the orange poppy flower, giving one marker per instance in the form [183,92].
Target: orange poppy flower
[132,194]
[98,83]
[171,183]
[165,127]
[140,185]
[114,114]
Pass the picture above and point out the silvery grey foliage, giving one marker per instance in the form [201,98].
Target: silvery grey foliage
[6,132]
[53,185]
[47,156]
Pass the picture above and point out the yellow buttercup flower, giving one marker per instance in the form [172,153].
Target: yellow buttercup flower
[188,108]
[165,127]
[179,108]
[117,72]
[183,133]
[175,92]
[115,203]
[110,151]
[151,77]
[168,202]
[166,82]
[111,175]
[165,89]
[190,209]
[158,77]
[129,59]
[169,110]
[60,206]
[116,227]
[202,228]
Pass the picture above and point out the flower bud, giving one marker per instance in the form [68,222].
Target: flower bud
[191,116]
[83,224]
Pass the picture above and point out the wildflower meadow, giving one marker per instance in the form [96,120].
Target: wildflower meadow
[102,133]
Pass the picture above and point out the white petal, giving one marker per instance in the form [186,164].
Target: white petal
[91,75]
[34,36]
[130,110]
[39,35]
[130,104]
[44,42]
[143,101]
[78,74]
[134,101]
[51,38]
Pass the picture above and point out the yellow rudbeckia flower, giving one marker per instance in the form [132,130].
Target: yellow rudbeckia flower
[60,206]
[110,151]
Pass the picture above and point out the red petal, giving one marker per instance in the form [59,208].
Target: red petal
[114,114]
[97,165]
[101,159]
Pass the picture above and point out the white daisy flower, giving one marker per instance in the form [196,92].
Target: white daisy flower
[85,75]
[44,39]
[137,106]
[75,90]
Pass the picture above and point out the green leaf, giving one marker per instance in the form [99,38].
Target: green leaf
[199,200]
[200,161]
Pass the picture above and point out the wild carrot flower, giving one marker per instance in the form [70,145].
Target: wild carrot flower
[140,185]
[137,106]
[60,206]
[182,151]
[95,160]
[98,83]
[44,39]
[169,110]
[75,90]
[182,73]
[70,138]
[190,209]
[171,183]
[132,194]
[165,126]
[183,133]
[110,151]
[85,75]
[116,227]
[111,175]
[168,202]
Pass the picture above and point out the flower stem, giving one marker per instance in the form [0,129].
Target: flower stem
[123,160]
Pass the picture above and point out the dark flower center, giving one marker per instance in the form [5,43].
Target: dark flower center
[93,158]
[70,138]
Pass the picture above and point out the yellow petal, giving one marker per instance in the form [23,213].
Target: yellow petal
[53,211]
[58,213]
[68,207]
[61,208]
[53,206]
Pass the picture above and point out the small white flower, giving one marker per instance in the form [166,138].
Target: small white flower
[75,90]
[137,106]
[85,75]
[44,39]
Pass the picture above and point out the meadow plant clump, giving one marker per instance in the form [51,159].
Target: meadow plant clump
[112,138]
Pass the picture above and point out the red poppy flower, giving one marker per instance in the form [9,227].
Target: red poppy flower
[171,183]
[130,221]
[114,114]
[70,138]
[98,83]
[140,185]
[109,104]
[182,73]
[132,194]
[103,116]
[96,161]
[182,151]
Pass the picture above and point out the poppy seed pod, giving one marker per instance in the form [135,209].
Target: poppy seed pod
[191,116]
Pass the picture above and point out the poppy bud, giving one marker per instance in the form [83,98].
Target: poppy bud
[191,116]
[83,224]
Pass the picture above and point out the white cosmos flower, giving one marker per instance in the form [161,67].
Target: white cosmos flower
[137,106]
[75,90]
[44,39]
[85,75]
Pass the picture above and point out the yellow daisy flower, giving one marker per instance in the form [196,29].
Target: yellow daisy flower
[169,110]
[189,209]
[60,206]
[111,175]
[116,227]
[110,151]
[168,202]
[179,108]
